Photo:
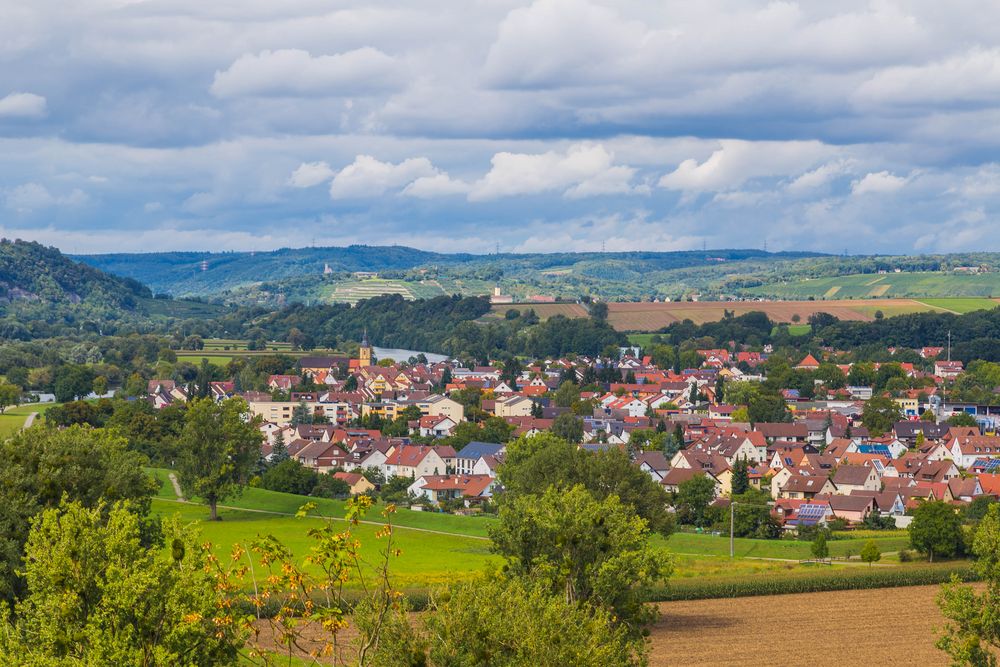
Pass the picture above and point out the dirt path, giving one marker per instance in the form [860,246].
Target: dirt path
[30,420]
[177,487]
[884,627]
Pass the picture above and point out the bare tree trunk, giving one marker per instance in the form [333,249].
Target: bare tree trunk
[213,509]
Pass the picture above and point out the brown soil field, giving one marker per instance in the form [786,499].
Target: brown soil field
[653,316]
[886,627]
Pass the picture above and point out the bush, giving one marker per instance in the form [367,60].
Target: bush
[290,476]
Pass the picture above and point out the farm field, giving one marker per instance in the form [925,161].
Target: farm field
[962,305]
[543,310]
[653,316]
[691,633]
[867,285]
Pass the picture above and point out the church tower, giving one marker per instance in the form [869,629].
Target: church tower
[365,352]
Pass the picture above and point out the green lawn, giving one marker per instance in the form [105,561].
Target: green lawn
[427,559]
[962,305]
[13,418]
[718,545]
[459,548]
[643,340]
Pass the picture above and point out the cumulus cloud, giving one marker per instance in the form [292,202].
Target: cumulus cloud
[294,72]
[438,185]
[309,174]
[882,182]
[819,176]
[582,170]
[736,162]
[369,177]
[969,77]
[22,105]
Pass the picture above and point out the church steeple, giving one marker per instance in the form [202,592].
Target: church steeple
[365,351]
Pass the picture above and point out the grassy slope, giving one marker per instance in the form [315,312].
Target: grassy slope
[866,285]
[431,558]
[13,418]
[962,305]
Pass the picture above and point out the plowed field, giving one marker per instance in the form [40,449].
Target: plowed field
[836,629]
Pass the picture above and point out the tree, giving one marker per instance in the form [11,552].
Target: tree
[290,476]
[97,595]
[962,419]
[279,452]
[599,311]
[741,477]
[879,414]
[566,395]
[752,516]
[972,634]
[583,549]
[100,386]
[870,553]
[928,416]
[694,495]
[351,383]
[43,466]
[819,548]
[568,426]
[218,447]
[936,529]
[768,408]
[10,394]
[509,622]
[71,382]
[535,463]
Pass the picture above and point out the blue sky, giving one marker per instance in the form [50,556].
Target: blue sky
[129,125]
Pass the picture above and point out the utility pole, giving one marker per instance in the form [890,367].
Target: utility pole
[732,522]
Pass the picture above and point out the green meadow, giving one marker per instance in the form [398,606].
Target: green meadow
[438,548]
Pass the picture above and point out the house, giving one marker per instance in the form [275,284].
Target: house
[418,461]
[808,364]
[513,406]
[441,488]
[653,463]
[853,509]
[887,503]
[676,476]
[965,450]
[473,453]
[948,370]
[359,483]
[965,489]
[436,426]
[807,486]
[907,431]
[783,432]
[848,478]
[437,405]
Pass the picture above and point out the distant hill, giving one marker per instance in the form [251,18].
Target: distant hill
[31,273]
[273,278]
[44,293]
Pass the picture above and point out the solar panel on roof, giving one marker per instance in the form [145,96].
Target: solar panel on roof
[811,512]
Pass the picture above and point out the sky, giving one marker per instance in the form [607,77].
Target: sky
[555,125]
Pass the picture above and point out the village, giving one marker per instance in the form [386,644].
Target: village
[819,467]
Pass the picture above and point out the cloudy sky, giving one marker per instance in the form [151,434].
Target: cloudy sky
[143,125]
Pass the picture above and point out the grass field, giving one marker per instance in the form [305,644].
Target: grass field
[830,629]
[962,305]
[13,419]
[543,310]
[932,284]
[435,544]
[217,359]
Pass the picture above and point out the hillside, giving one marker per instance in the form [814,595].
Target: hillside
[903,284]
[298,275]
[45,293]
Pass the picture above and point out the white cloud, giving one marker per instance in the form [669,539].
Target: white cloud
[30,197]
[369,177]
[582,170]
[881,182]
[736,162]
[309,174]
[294,72]
[819,177]
[438,185]
[969,77]
[22,105]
